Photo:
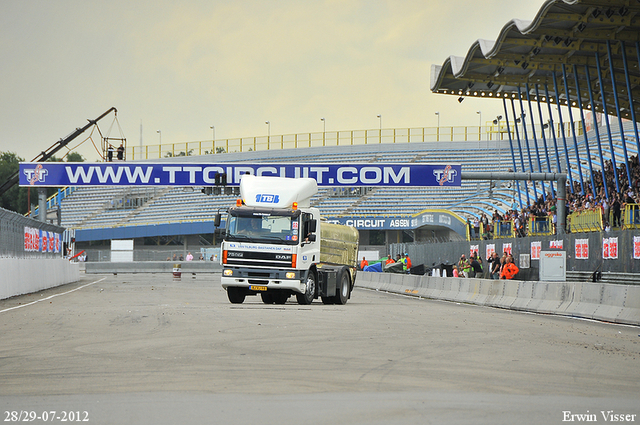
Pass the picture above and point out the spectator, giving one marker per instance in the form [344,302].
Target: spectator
[363,263]
[408,260]
[509,270]
[189,257]
[120,152]
[463,266]
[476,267]
[495,266]
[110,151]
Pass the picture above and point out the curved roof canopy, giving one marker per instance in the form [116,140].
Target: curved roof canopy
[577,34]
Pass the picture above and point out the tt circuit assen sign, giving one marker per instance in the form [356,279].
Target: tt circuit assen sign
[186,174]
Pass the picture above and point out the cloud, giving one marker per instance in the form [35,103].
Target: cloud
[184,66]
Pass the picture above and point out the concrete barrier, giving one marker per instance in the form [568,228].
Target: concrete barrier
[586,298]
[525,294]
[152,267]
[25,275]
[509,293]
[631,307]
[612,302]
[600,301]
[547,297]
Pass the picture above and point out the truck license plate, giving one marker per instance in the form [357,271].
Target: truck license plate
[258,288]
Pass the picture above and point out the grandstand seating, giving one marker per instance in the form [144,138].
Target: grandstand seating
[90,207]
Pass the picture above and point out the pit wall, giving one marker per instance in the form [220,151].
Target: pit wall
[26,275]
[599,301]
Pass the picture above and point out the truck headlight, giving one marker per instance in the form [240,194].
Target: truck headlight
[291,275]
[228,272]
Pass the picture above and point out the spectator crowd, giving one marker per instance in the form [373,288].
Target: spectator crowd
[542,212]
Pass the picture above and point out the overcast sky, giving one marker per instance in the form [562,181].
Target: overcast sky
[184,66]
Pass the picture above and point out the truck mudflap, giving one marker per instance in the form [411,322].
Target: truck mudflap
[335,283]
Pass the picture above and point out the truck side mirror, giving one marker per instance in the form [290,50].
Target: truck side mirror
[217,219]
[312,226]
[311,237]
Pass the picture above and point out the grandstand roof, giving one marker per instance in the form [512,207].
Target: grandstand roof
[569,32]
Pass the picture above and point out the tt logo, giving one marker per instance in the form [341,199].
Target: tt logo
[445,176]
[37,174]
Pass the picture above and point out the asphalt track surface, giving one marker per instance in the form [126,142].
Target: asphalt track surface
[145,349]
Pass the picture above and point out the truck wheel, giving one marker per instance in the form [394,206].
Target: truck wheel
[328,300]
[280,297]
[267,297]
[310,292]
[236,296]
[343,295]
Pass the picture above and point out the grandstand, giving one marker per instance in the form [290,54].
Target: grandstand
[115,207]
[553,60]
[106,206]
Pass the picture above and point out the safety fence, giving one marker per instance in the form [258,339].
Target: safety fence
[614,251]
[590,220]
[631,216]
[538,226]
[585,221]
[478,133]
[23,237]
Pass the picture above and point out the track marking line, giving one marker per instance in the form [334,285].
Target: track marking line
[52,296]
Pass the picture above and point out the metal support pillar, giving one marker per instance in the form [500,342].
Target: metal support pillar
[535,142]
[557,177]
[42,204]
[515,125]
[513,155]
[629,91]
[605,117]
[526,140]
[586,139]
[618,113]
[564,135]
[573,128]
[544,137]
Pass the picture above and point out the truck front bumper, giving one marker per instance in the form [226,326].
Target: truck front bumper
[263,279]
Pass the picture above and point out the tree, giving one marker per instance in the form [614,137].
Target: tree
[14,199]
[74,157]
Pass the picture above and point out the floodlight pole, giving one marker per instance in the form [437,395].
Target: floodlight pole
[561,192]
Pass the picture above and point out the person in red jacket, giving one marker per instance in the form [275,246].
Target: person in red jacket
[363,263]
[406,255]
[509,270]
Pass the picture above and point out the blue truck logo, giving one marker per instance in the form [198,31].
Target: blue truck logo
[267,199]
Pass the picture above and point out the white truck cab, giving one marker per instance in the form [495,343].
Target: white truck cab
[276,245]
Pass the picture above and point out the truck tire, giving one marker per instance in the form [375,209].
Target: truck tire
[235,295]
[344,288]
[280,297]
[310,291]
[267,297]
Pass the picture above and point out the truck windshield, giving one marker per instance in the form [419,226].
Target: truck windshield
[256,228]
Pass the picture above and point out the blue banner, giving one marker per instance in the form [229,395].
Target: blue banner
[434,218]
[58,174]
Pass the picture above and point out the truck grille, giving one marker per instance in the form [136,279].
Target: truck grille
[258,259]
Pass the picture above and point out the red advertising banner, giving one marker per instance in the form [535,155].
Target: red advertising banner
[556,244]
[536,247]
[582,249]
[610,248]
[490,249]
